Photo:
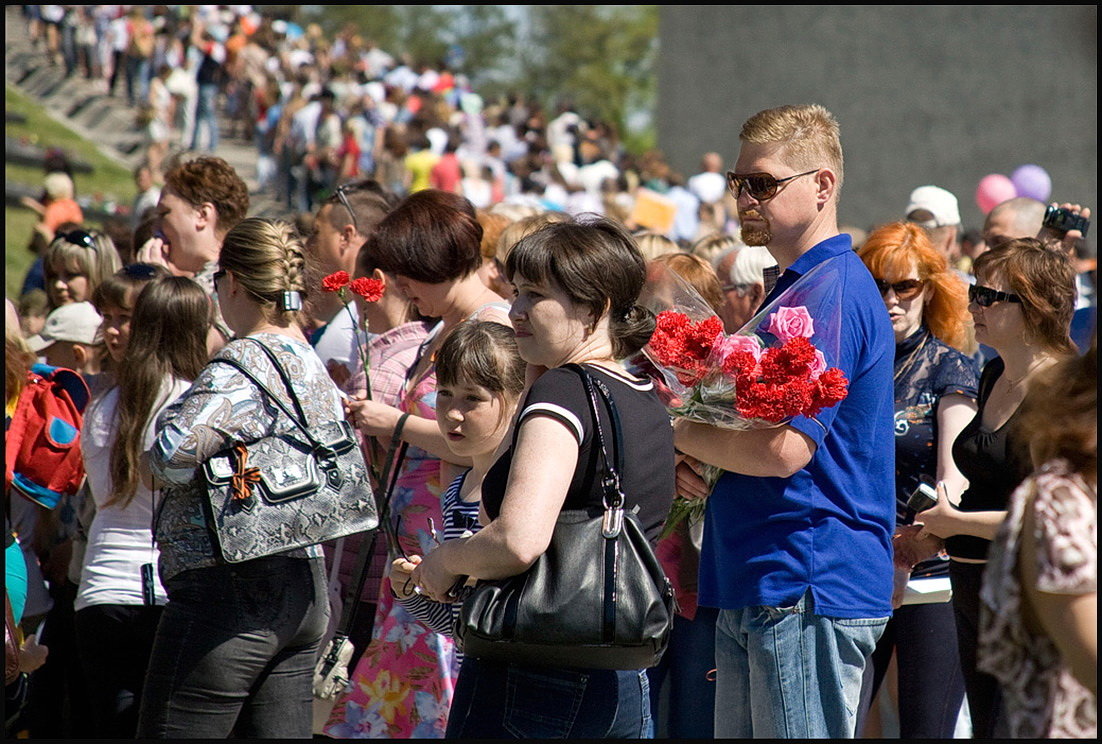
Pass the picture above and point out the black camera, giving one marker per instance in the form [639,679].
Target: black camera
[924,497]
[1063,221]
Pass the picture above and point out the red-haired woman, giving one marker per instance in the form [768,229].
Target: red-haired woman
[935,393]
[1021,303]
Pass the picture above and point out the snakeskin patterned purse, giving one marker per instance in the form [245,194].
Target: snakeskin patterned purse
[287,490]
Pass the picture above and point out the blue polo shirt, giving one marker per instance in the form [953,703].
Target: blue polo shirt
[829,526]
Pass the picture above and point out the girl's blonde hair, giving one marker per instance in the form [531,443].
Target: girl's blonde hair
[90,253]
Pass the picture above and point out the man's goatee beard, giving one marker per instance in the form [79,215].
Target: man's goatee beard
[756,235]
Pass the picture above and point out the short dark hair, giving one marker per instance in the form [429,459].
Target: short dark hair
[597,263]
[431,236]
[482,352]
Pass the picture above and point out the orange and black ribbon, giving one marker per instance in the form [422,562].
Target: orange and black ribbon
[243,478]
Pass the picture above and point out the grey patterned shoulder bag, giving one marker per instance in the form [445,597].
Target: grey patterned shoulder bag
[287,490]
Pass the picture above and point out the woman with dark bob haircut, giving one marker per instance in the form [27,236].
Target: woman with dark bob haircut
[431,244]
[576,283]
[1021,304]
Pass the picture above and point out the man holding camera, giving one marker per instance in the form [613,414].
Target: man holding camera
[797,540]
[1066,224]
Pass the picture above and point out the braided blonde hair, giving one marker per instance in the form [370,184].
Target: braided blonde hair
[267,258]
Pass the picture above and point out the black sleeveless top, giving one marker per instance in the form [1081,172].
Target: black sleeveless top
[648,473]
[991,463]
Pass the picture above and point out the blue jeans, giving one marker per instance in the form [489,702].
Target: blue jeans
[206,117]
[685,670]
[496,700]
[235,652]
[785,672]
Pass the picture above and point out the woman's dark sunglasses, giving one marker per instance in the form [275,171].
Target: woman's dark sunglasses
[216,276]
[760,186]
[907,289]
[986,297]
[79,237]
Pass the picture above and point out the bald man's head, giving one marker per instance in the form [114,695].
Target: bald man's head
[712,162]
[1020,217]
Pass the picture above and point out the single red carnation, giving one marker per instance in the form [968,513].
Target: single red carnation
[335,282]
[830,389]
[792,360]
[371,290]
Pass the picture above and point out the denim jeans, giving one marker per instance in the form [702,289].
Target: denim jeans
[206,117]
[785,672]
[496,700]
[235,651]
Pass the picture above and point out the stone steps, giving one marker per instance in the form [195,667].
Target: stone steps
[108,121]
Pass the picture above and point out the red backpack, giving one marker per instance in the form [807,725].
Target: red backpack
[42,444]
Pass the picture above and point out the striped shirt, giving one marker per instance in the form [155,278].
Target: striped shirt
[460,521]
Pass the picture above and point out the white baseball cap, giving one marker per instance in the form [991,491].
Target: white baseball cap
[938,202]
[77,322]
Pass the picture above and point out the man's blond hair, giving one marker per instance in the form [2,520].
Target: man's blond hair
[809,134]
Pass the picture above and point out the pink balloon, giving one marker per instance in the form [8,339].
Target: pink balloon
[994,189]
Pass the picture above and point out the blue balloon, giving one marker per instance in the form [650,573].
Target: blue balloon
[1032,181]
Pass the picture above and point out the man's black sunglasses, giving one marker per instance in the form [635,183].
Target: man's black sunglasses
[761,186]
[986,297]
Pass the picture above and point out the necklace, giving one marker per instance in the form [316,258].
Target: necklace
[1011,384]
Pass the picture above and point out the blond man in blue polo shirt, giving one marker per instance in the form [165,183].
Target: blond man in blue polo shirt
[797,542]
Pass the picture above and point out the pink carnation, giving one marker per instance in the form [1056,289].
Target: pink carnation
[728,345]
[790,322]
[818,366]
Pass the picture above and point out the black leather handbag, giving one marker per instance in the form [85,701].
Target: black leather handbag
[288,490]
[596,599]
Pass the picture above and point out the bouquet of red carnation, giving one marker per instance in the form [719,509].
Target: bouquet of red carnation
[764,375]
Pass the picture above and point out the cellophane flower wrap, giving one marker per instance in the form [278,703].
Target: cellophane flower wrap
[776,367]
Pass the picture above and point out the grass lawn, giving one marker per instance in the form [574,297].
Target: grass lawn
[109,178]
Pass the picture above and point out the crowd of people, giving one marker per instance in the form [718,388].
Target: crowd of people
[511,248]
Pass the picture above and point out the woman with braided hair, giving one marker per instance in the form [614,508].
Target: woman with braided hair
[236,645]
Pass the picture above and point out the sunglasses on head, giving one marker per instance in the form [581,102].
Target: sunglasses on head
[907,289]
[986,297]
[341,191]
[761,186]
[80,237]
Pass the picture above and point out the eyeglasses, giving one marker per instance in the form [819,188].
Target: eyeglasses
[761,186]
[216,276]
[986,297]
[80,237]
[907,289]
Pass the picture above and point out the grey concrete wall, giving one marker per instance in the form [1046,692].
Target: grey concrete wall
[924,94]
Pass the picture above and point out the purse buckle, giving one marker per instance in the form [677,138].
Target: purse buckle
[613,521]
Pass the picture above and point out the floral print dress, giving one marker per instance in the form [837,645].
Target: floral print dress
[402,685]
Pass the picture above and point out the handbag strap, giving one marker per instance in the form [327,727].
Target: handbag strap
[300,419]
[610,482]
